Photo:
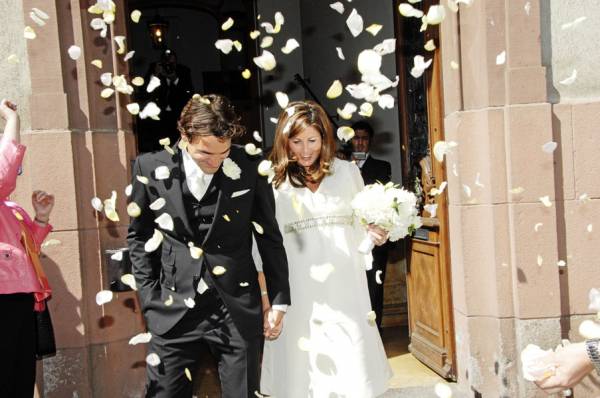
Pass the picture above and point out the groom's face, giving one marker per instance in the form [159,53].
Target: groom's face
[209,151]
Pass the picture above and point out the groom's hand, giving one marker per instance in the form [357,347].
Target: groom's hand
[275,323]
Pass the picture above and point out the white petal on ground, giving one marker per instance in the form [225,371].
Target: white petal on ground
[29,33]
[366,109]
[259,229]
[345,133]
[374,29]
[154,242]
[266,42]
[337,6]
[227,24]
[340,53]
[549,147]
[290,46]
[162,173]
[320,273]
[189,302]
[133,210]
[501,58]
[219,270]
[335,90]
[129,280]
[152,84]
[546,201]
[419,66]
[165,221]
[135,15]
[355,23]
[256,136]
[251,149]
[158,204]
[378,277]
[265,61]
[133,108]
[74,52]
[282,99]
[225,45]
[153,359]
[442,390]
[571,79]
[120,40]
[103,297]
[97,204]
[141,338]
[589,329]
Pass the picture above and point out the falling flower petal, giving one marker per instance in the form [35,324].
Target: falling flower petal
[225,45]
[320,273]
[537,226]
[103,297]
[419,66]
[226,218]
[13,59]
[371,316]
[254,34]
[153,84]
[39,21]
[195,252]
[154,242]
[118,256]
[142,179]
[137,81]
[369,61]
[549,147]
[165,221]
[340,53]
[590,228]
[188,374]
[335,90]
[442,148]
[74,52]
[252,150]
[265,61]
[589,329]
[539,260]
[244,284]
[97,204]
[501,58]
[41,14]
[337,6]
[430,45]
[135,15]
[106,78]
[572,24]
[151,110]
[282,99]
[227,24]
[546,201]
[141,338]
[256,136]
[571,79]
[374,29]
[355,23]
[266,42]
[169,301]
[378,277]
[407,10]
[29,33]
[153,359]
[110,207]
[386,101]
[133,108]
[246,74]
[290,46]
[562,263]
[454,65]
[128,56]
[347,111]
[366,109]
[133,210]
[162,173]
[517,190]
[273,120]
[120,40]
[259,229]
[304,344]
[345,133]
[129,280]
[219,270]
[190,302]
[435,15]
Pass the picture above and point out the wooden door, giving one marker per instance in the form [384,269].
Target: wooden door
[428,273]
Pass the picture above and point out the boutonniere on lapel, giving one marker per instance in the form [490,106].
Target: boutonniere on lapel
[231,169]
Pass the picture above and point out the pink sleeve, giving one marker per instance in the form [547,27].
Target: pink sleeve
[38,232]
[11,156]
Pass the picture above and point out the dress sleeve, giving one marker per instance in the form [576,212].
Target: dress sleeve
[11,156]
[357,179]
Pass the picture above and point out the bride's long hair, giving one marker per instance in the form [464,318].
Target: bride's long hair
[298,116]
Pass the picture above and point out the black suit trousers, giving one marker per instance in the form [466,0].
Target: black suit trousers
[180,348]
[380,257]
[17,345]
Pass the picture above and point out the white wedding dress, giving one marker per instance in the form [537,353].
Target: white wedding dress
[328,347]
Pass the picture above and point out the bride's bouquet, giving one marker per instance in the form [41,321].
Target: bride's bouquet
[388,206]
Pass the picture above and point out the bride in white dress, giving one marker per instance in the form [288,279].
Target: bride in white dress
[329,345]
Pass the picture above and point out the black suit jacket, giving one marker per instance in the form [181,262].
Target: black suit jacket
[376,170]
[171,271]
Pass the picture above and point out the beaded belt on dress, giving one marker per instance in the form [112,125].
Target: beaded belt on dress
[308,223]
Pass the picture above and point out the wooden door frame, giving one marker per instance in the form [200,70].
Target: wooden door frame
[435,122]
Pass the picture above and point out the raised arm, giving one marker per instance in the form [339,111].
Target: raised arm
[8,112]
[11,153]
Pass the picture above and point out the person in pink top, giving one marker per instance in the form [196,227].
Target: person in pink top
[21,290]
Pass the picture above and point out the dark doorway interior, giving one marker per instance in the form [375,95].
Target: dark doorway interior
[189,30]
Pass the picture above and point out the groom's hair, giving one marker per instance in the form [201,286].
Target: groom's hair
[211,114]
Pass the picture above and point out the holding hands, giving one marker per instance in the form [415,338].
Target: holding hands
[43,203]
[377,234]
[572,365]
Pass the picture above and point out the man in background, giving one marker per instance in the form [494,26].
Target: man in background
[372,170]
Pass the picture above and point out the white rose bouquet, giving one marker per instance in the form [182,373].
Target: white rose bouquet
[388,206]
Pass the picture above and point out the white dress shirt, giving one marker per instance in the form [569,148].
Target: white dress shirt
[196,180]
[361,162]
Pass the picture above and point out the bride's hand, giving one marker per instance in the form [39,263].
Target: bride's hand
[266,325]
[275,321]
[378,235]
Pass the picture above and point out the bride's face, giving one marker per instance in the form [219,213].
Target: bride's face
[306,147]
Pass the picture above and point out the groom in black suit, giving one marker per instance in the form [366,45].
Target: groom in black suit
[372,170]
[205,199]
